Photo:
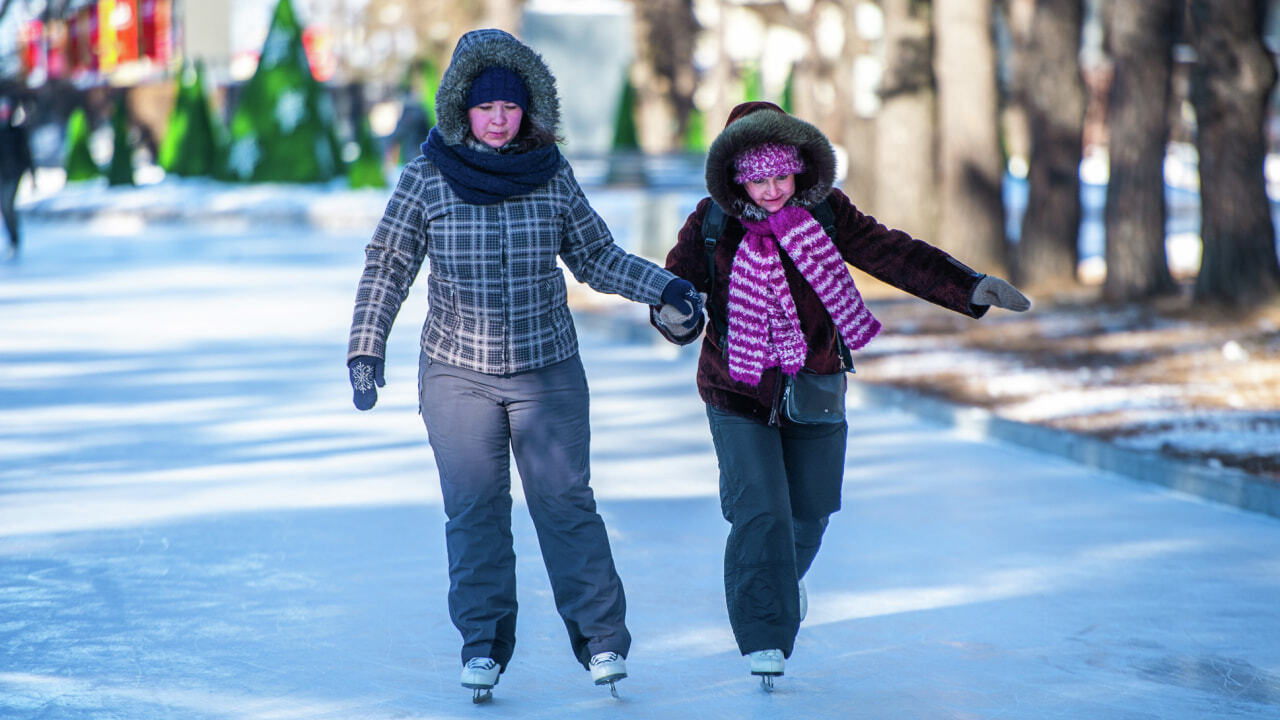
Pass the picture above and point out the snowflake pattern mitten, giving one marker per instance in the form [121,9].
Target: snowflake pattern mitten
[366,377]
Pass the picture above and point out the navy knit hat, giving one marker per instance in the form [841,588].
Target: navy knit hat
[498,83]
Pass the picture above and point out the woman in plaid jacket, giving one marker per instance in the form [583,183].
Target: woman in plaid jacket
[491,205]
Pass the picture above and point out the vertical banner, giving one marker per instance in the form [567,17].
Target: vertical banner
[125,18]
[75,44]
[156,30]
[57,36]
[317,42]
[108,53]
[93,31]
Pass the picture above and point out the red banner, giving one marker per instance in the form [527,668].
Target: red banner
[125,19]
[157,29]
[31,44]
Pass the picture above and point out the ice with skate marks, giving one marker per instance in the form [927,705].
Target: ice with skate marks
[766,680]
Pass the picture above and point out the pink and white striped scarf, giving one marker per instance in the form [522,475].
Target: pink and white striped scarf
[764,327]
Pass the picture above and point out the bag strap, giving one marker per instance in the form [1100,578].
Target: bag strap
[713,224]
[826,216]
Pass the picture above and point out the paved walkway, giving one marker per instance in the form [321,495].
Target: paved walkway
[194,523]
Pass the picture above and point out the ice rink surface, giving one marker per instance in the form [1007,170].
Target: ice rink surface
[195,523]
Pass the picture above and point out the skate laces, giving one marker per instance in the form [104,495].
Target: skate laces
[481,663]
[604,658]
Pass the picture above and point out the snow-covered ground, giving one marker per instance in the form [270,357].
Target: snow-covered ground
[196,523]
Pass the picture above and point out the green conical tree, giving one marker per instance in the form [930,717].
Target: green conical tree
[366,171]
[695,132]
[430,82]
[788,101]
[195,142]
[624,128]
[752,84]
[120,172]
[283,127]
[79,162]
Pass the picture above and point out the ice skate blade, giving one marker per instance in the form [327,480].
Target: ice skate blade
[481,695]
[610,680]
[766,682]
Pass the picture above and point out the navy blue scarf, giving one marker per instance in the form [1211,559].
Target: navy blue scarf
[485,178]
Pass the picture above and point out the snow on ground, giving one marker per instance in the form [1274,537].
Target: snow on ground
[196,523]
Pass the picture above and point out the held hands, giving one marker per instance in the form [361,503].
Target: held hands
[991,290]
[682,305]
[365,372]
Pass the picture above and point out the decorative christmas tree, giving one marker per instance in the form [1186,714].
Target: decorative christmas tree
[626,164]
[695,131]
[366,171]
[624,129]
[282,130]
[79,161]
[195,143]
[752,84]
[120,172]
[429,82]
[788,101]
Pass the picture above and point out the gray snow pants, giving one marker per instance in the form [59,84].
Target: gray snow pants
[778,486]
[473,420]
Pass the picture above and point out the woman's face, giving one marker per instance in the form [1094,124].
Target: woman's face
[773,192]
[495,123]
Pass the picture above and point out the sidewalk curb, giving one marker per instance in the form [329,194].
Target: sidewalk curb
[1221,485]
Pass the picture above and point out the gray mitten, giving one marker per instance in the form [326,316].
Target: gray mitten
[992,290]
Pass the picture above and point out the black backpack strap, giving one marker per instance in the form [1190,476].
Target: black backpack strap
[712,228]
[826,217]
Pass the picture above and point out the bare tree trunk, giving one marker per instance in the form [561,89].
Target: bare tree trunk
[971,167]
[1048,251]
[664,75]
[906,174]
[859,132]
[1140,42]
[504,14]
[1230,84]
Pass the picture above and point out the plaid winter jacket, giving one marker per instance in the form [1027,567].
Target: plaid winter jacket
[496,296]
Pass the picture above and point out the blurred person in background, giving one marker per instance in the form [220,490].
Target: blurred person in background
[414,123]
[15,160]
[781,300]
[490,205]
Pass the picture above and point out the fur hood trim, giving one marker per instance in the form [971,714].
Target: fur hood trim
[769,124]
[478,50]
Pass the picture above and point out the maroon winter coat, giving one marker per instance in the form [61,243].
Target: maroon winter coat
[891,256]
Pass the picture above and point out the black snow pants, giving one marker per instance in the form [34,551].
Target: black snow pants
[778,485]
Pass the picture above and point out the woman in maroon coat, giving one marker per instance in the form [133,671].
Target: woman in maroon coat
[782,299]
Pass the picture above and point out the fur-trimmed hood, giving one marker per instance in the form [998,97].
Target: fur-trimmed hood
[757,123]
[478,50]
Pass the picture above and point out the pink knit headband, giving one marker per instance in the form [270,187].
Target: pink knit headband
[766,161]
